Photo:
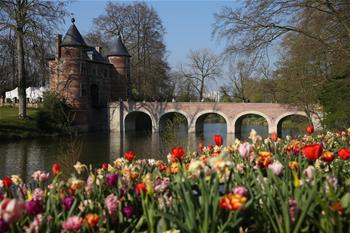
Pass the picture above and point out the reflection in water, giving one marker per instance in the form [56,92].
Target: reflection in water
[26,156]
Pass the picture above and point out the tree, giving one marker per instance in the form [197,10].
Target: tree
[239,76]
[334,98]
[315,43]
[203,65]
[257,24]
[143,32]
[28,19]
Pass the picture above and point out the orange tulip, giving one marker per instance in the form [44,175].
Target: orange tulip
[274,136]
[328,156]
[232,202]
[92,220]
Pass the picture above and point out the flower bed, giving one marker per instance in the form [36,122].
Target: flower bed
[269,185]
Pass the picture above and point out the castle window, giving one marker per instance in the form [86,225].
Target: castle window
[90,54]
[82,89]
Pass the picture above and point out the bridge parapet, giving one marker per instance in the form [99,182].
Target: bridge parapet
[192,111]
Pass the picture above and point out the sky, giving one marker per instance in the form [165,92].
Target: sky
[188,24]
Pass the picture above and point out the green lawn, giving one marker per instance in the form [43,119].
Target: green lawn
[13,127]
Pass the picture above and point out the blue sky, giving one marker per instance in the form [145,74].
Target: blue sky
[188,24]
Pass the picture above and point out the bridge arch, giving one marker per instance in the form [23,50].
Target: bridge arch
[237,121]
[279,120]
[171,112]
[139,120]
[195,120]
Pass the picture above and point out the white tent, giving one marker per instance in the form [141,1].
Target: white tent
[12,94]
[33,93]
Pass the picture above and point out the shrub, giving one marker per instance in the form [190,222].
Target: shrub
[54,114]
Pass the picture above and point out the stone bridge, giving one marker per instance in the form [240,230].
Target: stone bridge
[130,114]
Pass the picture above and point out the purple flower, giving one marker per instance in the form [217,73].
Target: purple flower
[33,207]
[4,226]
[111,179]
[241,190]
[128,211]
[68,202]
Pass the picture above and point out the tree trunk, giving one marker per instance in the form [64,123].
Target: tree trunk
[201,90]
[22,110]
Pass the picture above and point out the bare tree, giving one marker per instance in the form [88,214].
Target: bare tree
[28,19]
[257,24]
[143,32]
[203,65]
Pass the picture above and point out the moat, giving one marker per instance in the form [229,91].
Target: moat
[25,156]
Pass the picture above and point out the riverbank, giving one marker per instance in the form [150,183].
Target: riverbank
[12,127]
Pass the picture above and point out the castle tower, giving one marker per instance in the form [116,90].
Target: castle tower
[68,68]
[119,57]
[68,73]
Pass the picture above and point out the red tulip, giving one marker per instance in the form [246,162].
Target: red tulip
[177,152]
[201,147]
[105,166]
[140,188]
[130,155]
[56,168]
[344,153]
[7,182]
[218,139]
[162,167]
[313,152]
[274,136]
[310,129]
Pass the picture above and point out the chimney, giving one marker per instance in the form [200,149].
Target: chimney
[58,45]
[99,49]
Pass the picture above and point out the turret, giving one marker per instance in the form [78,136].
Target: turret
[119,57]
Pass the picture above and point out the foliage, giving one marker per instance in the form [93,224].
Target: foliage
[261,185]
[335,98]
[54,114]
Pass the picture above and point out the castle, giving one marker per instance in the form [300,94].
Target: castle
[87,80]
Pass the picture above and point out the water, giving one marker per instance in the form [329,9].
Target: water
[26,156]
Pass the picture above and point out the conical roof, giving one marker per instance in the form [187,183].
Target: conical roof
[118,48]
[73,37]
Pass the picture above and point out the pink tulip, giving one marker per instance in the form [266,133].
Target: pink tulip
[244,150]
[40,176]
[72,224]
[276,168]
[11,210]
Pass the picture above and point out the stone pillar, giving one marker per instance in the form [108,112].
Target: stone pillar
[230,127]
[115,118]
[272,127]
[191,126]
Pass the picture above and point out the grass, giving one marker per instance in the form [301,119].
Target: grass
[12,127]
